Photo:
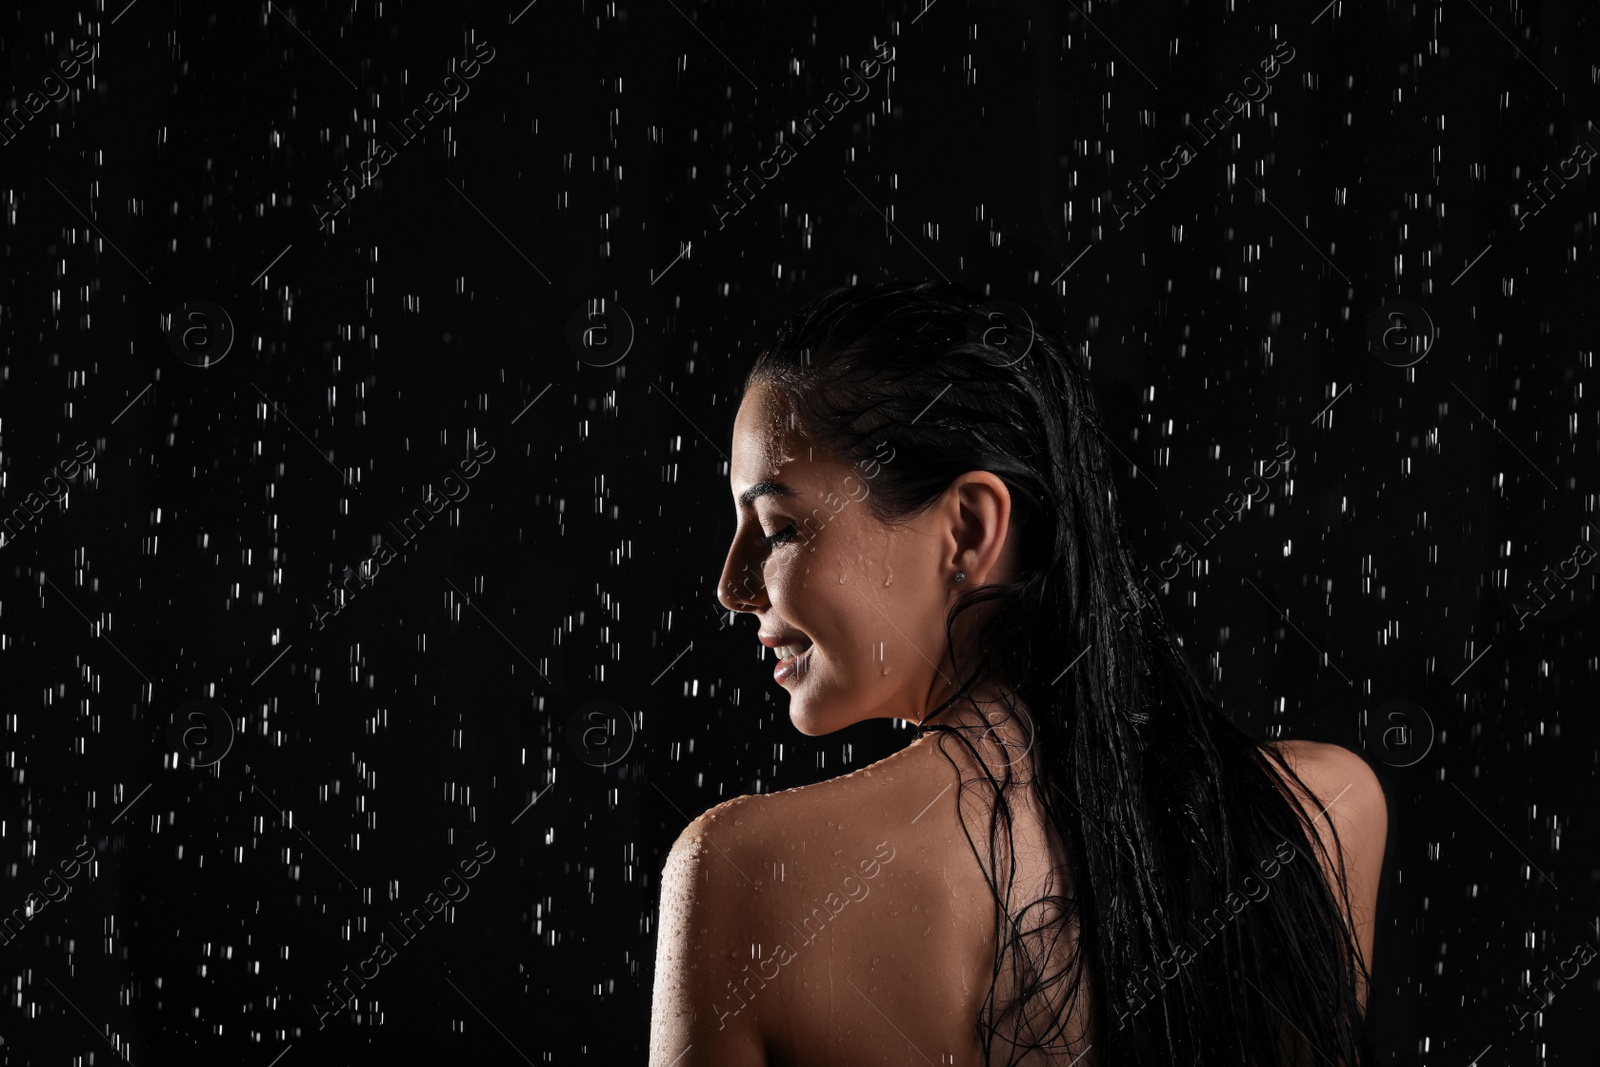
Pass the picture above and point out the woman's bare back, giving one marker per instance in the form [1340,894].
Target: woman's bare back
[874,926]
[882,924]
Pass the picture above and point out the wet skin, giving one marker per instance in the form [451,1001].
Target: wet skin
[750,972]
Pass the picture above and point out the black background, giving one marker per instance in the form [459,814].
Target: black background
[1230,314]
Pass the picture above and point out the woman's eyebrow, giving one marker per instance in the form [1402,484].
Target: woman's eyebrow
[759,489]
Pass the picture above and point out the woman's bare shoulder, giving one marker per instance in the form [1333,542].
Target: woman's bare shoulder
[886,775]
[867,866]
[804,824]
[1335,775]
[1348,799]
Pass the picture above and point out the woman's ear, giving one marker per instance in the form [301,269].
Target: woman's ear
[980,522]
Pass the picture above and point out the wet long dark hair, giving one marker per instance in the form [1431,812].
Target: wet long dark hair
[1165,810]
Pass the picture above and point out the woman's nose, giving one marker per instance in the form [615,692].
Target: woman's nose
[740,587]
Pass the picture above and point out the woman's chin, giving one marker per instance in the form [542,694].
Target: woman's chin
[808,718]
[804,721]
[818,718]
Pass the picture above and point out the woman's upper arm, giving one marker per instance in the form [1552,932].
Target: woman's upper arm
[708,904]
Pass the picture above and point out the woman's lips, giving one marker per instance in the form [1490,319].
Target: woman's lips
[793,667]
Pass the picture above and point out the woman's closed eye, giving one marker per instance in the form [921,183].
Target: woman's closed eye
[782,536]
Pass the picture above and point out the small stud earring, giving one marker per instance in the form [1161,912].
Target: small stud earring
[961,576]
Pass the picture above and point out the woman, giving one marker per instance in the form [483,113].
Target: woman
[1078,860]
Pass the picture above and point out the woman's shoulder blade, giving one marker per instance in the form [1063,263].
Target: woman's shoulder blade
[862,878]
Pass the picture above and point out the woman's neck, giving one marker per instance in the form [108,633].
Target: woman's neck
[1000,729]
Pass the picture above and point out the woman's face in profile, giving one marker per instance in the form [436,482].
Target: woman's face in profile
[864,601]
